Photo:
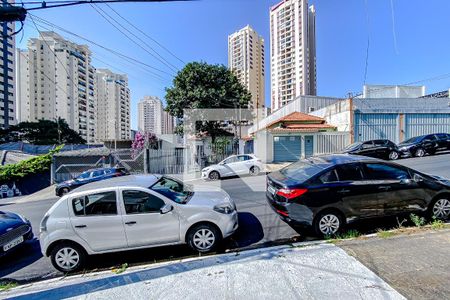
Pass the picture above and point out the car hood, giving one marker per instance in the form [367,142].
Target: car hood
[9,220]
[441,179]
[209,196]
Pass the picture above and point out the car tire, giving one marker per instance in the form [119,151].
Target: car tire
[419,152]
[203,238]
[328,223]
[393,155]
[440,208]
[254,171]
[64,191]
[214,175]
[68,257]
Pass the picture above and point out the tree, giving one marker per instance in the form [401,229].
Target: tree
[144,140]
[42,132]
[201,85]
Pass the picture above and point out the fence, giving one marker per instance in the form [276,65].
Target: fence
[41,149]
[331,142]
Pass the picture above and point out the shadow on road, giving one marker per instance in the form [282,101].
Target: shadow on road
[21,257]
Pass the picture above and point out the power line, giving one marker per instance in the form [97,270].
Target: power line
[145,34]
[102,13]
[121,55]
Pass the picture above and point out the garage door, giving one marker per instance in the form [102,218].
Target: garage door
[286,148]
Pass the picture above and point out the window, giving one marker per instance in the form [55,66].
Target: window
[379,143]
[367,145]
[443,136]
[98,173]
[230,160]
[385,172]
[84,175]
[243,158]
[95,204]
[329,176]
[349,172]
[430,137]
[137,202]
[172,189]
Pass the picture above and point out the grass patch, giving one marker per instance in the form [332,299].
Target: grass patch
[437,224]
[120,270]
[384,234]
[418,221]
[6,285]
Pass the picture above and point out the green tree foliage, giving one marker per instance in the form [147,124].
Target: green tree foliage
[201,85]
[43,132]
[23,168]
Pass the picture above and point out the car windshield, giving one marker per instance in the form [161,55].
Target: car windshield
[413,140]
[301,171]
[84,175]
[173,189]
[353,146]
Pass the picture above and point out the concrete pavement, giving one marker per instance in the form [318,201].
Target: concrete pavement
[321,271]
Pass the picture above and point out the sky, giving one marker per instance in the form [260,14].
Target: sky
[400,41]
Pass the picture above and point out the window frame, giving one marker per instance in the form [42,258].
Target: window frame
[73,211]
[366,176]
[142,190]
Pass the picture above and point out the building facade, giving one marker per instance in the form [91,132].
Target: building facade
[292,51]
[153,118]
[57,80]
[113,106]
[246,61]
[7,76]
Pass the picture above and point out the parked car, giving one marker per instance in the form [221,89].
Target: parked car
[425,144]
[327,192]
[88,177]
[134,212]
[232,166]
[384,149]
[14,231]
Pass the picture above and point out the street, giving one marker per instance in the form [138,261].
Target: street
[258,225]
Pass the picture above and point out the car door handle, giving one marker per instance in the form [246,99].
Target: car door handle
[384,188]
[80,226]
[343,191]
[130,223]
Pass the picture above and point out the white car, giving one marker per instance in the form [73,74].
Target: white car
[134,212]
[232,166]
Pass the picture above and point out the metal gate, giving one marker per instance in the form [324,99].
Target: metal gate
[286,148]
[376,126]
[309,145]
[421,124]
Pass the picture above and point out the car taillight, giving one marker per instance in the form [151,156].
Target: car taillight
[291,193]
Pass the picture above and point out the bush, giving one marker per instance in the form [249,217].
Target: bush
[23,168]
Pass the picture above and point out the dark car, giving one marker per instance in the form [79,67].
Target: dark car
[425,144]
[384,149]
[14,231]
[88,177]
[326,192]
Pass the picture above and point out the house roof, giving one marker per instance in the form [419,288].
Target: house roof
[297,117]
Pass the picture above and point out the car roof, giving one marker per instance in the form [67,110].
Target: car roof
[339,159]
[129,180]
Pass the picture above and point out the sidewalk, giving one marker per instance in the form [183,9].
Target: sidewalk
[321,271]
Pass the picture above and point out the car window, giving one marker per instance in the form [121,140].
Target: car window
[172,189]
[96,204]
[379,143]
[349,172]
[353,146]
[84,175]
[301,171]
[442,136]
[430,137]
[138,202]
[329,176]
[367,145]
[230,160]
[97,173]
[385,172]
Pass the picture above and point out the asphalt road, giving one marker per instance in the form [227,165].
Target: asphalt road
[259,225]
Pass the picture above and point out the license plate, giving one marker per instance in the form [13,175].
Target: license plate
[13,243]
[271,190]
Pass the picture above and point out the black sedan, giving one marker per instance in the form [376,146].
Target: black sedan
[326,192]
[88,177]
[14,230]
[384,149]
[425,144]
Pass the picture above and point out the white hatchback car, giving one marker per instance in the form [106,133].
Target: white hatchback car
[133,212]
[234,165]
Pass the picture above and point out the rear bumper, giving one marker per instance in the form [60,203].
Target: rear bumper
[292,213]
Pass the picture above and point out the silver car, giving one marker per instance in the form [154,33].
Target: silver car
[134,212]
[245,164]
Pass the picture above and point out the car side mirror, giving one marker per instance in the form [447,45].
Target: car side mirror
[417,178]
[166,209]
[222,163]
[405,181]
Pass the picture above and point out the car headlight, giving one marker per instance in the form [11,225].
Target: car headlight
[403,149]
[225,208]
[23,218]
[205,170]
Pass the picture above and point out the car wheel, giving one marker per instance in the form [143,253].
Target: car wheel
[328,223]
[203,238]
[214,175]
[68,257]
[419,152]
[440,209]
[393,155]
[64,191]
[254,171]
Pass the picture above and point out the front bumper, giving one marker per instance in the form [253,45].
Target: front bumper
[27,236]
[230,224]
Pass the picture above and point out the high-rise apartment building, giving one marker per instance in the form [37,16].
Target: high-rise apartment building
[57,80]
[7,76]
[292,51]
[246,60]
[153,118]
[113,106]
